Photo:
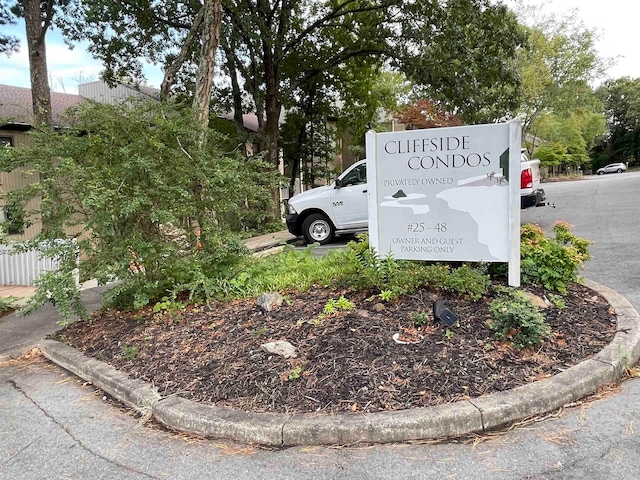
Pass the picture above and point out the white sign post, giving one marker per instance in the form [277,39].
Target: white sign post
[446,194]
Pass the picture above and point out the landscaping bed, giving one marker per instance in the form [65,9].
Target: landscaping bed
[346,360]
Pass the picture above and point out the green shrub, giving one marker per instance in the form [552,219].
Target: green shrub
[551,262]
[138,180]
[290,269]
[7,304]
[364,269]
[472,281]
[334,306]
[516,319]
[419,319]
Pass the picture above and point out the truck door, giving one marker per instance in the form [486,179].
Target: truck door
[349,200]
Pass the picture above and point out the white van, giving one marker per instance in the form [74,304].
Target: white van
[341,208]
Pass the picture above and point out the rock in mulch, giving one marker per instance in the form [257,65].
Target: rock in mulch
[269,301]
[536,300]
[378,307]
[280,347]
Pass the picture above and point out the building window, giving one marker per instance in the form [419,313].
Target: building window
[12,218]
[6,141]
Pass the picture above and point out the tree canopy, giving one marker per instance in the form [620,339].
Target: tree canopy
[460,51]
[557,67]
[621,99]
[426,114]
[8,43]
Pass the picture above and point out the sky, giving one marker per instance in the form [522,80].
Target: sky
[614,20]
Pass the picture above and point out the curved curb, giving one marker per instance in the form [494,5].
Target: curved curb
[476,415]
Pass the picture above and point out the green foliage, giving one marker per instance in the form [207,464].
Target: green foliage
[472,281]
[459,51]
[61,287]
[15,219]
[129,352]
[558,301]
[569,137]
[295,373]
[356,267]
[516,319]
[290,269]
[551,154]
[621,99]
[556,67]
[7,304]
[135,178]
[169,306]
[466,60]
[8,43]
[364,269]
[386,295]
[334,306]
[551,262]
[419,319]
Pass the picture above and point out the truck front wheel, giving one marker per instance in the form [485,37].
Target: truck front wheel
[318,228]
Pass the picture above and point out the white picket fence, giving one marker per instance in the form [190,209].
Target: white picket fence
[23,268]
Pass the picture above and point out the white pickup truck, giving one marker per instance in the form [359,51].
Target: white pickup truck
[341,208]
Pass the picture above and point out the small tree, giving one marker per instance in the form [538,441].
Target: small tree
[125,175]
[426,114]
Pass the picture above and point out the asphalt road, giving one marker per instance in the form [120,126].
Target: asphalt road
[53,426]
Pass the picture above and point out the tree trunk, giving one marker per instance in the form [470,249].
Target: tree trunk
[212,17]
[273,108]
[271,125]
[172,70]
[36,23]
[204,77]
[236,95]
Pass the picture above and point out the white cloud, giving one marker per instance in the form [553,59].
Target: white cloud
[68,67]
[614,20]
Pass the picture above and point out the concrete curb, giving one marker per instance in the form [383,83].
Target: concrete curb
[135,393]
[442,421]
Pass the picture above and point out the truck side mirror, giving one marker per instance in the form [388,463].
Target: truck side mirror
[338,183]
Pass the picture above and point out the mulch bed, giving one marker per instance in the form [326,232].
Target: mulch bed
[346,362]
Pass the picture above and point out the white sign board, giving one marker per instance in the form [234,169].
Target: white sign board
[447,194]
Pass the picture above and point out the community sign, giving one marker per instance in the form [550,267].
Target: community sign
[446,194]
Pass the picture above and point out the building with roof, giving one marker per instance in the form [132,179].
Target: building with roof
[16,119]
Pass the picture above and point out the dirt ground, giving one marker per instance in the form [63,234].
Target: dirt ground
[346,361]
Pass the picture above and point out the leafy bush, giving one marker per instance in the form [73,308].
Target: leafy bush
[516,319]
[290,269]
[472,281]
[551,262]
[7,304]
[363,268]
[334,306]
[419,319]
[156,208]
[356,267]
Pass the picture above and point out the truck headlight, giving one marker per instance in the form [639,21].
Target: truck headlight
[291,210]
